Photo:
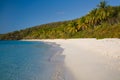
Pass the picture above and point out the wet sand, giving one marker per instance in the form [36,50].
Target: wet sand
[90,59]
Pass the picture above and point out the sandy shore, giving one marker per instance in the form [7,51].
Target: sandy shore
[91,59]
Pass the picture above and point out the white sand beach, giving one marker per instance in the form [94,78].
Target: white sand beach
[91,59]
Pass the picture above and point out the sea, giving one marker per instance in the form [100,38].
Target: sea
[30,60]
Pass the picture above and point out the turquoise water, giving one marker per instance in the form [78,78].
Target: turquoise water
[25,60]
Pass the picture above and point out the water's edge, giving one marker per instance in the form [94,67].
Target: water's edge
[33,60]
[61,71]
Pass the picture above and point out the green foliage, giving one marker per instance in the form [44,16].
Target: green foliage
[101,22]
[103,4]
[100,31]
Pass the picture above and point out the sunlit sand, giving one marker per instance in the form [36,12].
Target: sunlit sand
[91,59]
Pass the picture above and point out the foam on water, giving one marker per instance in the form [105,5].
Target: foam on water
[26,60]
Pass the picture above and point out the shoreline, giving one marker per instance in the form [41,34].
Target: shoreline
[90,59]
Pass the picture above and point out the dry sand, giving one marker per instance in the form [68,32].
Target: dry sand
[91,59]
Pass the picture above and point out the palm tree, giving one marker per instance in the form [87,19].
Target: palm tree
[72,27]
[103,4]
[103,10]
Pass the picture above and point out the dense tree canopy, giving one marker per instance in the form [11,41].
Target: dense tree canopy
[101,22]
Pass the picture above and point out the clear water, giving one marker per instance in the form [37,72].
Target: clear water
[23,60]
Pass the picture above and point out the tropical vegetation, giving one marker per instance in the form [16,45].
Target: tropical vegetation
[101,22]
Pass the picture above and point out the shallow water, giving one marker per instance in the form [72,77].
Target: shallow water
[25,60]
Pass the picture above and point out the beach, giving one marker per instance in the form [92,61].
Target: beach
[90,59]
